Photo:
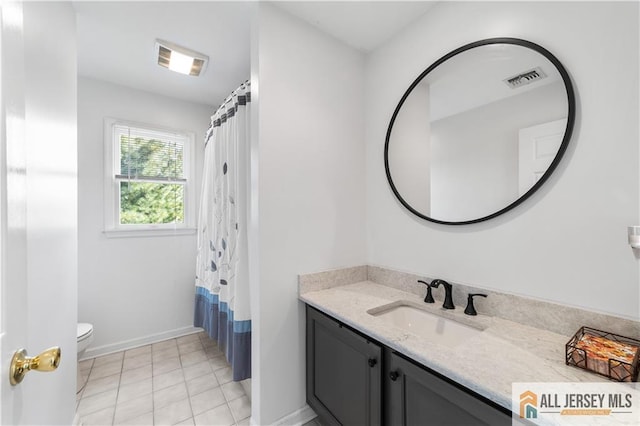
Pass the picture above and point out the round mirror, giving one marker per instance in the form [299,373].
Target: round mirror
[479,131]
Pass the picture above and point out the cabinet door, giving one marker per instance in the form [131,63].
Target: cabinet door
[344,373]
[416,396]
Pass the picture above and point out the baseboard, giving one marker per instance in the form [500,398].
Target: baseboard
[140,341]
[297,418]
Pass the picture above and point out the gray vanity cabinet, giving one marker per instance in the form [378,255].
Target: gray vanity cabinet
[354,381]
[344,373]
[414,396]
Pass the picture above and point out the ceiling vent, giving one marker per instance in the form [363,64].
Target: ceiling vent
[180,59]
[525,78]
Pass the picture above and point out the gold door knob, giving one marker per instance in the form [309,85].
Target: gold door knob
[21,363]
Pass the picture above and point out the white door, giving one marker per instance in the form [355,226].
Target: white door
[38,206]
[537,147]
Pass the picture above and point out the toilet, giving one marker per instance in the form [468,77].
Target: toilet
[85,337]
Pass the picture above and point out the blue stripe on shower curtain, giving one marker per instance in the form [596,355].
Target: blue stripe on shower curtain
[234,337]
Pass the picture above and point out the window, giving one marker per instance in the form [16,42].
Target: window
[148,182]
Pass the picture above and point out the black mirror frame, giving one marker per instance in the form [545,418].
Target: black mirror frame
[563,146]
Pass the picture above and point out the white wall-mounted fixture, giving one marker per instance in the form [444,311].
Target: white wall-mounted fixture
[180,59]
[634,236]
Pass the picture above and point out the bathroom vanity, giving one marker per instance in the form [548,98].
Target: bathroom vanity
[354,380]
[367,367]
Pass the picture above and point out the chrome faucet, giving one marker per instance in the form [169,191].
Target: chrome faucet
[448,288]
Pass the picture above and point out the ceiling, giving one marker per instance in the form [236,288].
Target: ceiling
[364,25]
[116,39]
[116,43]
[476,77]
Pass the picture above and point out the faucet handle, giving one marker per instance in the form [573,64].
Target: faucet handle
[470,309]
[429,297]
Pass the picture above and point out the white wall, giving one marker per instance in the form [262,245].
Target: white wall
[311,197]
[474,170]
[409,153]
[568,242]
[131,288]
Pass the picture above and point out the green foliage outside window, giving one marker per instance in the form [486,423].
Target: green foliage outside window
[143,201]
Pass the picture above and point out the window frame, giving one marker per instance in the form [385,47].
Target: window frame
[112,225]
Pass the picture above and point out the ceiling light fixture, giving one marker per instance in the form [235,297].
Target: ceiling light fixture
[180,59]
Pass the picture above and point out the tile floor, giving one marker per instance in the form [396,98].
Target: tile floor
[183,381]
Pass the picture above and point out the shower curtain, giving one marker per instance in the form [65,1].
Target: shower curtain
[222,270]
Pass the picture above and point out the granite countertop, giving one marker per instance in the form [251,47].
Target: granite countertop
[503,353]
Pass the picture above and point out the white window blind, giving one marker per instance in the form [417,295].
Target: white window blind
[149,155]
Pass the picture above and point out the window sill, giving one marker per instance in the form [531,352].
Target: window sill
[131,233]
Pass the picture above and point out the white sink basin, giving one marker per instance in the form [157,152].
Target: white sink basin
[424,324]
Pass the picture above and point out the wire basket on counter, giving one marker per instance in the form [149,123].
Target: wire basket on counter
[604,353]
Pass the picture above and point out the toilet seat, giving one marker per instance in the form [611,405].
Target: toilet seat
[85,338]
[84,330]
